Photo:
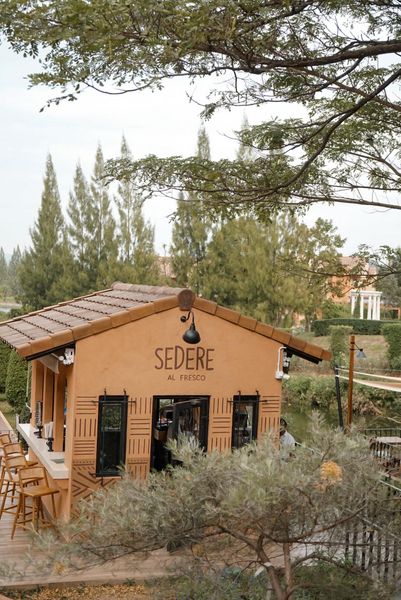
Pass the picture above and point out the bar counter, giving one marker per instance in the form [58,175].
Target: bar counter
[52,461]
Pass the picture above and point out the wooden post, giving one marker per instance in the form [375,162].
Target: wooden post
[58,416]
[350,378]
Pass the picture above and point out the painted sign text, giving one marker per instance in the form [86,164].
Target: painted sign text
[191,359]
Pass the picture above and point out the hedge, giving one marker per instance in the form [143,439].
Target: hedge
[4,356]
[392,335]
[339,342]
[361,326]
[16,384]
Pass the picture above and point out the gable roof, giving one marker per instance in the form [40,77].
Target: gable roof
[55,327]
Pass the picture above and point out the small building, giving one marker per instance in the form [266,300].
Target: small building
[113,379]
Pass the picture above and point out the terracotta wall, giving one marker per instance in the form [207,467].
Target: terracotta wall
[147,358]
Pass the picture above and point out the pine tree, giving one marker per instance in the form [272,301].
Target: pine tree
[80,213]
[3,274]
[273,270]
[103,249]
[191,232]
[138,261]
[14,274]
[43,266]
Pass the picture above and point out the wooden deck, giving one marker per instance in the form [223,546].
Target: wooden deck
[16,553]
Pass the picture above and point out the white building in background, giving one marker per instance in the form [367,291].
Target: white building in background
[368,298]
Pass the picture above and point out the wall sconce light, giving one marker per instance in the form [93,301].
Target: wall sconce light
[68,357]
[283,363]
[191,336]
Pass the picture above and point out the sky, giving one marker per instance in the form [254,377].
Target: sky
[164,123]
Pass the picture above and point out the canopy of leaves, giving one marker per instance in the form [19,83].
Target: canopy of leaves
[337,59]
[258,498]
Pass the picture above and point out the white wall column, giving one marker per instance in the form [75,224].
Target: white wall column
[361,306]
[369,315]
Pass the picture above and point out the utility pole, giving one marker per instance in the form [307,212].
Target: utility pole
[350,378]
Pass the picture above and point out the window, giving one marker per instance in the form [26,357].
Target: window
[245,420]
[111,435]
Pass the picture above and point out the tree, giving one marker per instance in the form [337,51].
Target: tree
[191,231]
[253,508]
[103,248]
[42,271]
[138,261]
[80,213]
[389,279]
[315,259]
[13,272]
[272,270]
[338,60]
[3,274]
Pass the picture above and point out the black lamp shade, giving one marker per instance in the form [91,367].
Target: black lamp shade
[191,336]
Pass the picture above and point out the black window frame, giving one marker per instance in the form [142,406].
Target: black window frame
[237,400]
[107,400]
[178,399]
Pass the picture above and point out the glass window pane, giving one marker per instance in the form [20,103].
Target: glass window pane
[244,422]
[111,435]
[111,418]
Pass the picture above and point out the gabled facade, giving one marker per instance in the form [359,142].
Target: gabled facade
[114,376]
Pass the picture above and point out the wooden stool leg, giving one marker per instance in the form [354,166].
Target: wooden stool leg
[17,514]
[54,507]
[3,502]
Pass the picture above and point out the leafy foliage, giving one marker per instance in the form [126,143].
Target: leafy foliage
[137,260]
[274,270]
[362,326]
[392,334]
[343,145]
[339,342]
[244,507]
[4,357]
[42,269]
[16,384]
[191,233]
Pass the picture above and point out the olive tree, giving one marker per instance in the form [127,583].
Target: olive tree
[258,508]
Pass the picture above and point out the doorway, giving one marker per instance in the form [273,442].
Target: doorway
[174,417]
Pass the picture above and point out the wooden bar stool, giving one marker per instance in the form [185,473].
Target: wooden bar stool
[5,439]
[10,481]
[10,450]
[33,485]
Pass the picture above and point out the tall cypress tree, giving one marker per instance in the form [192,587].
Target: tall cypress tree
[43,266]
[82,272]
[13,272]
[191,232]
[3,274]
[103,250]
[138,261]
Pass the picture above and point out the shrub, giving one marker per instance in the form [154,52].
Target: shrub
[311,391]
[333,310]
[339,342]
[296,389]
[4,357]
[361,326]
[16,384]
[392,334]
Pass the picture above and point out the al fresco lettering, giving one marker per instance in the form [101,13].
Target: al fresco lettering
[192,359]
